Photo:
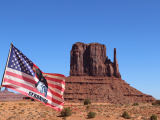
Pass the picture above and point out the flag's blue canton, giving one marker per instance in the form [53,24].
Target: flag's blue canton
[20,62]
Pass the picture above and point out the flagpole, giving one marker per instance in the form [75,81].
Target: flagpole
[6,65]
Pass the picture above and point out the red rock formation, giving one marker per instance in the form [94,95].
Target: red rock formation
[110,70]
[102,90]
[6,95]
[93,76]
[91,60]
[116,69]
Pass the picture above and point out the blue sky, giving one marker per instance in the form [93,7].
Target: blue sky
[45,31]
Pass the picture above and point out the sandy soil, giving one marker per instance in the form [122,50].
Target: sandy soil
[31,110]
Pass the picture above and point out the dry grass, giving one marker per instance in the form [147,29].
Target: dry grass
[25,110]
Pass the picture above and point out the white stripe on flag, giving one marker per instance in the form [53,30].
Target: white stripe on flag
[56,90]
[27,91]
[35,79]
[27,83]
[51,76]
[56,83]
[31,85]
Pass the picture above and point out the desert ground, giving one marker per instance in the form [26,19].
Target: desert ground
[33,110]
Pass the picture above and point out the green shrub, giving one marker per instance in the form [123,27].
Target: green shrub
[66,112]
[11,118]
[87,101]
[20,112]
[125,115]
[91,114]
[153,117]
[20,103]
[41,104]
[14,107]
[158,102]
[154,104]
[87,106]
[135,104]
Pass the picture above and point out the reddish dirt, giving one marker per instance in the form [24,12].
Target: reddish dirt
[26,110]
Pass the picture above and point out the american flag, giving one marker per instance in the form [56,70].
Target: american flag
[20,75]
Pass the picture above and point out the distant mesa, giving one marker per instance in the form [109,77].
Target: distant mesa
[93,76]
[6,95]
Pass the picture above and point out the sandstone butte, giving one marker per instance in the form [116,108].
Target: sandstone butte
[6,95]
[93,76]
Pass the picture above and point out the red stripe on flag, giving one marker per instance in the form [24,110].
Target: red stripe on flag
[57,87]
[55,80]
[31,88]
[20,77]
[31,81]
[59,75]
[24,82]
[24,93]
[55,93]
[34,82]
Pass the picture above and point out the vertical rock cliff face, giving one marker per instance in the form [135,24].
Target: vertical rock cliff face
[91,60]
[93,76]
[116,69]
